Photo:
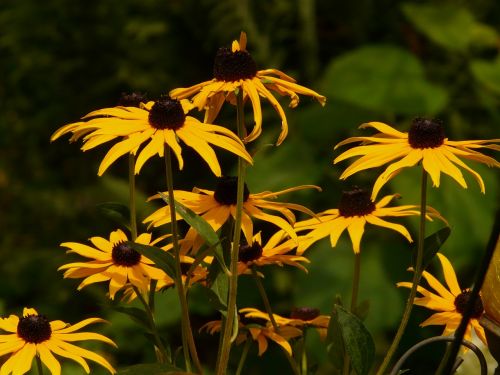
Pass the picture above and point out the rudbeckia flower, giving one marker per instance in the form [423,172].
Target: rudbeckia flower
[260,334]
[235,69]
[34,334]
[216,207]
[426,141]
[355,209]
[449,302]
[113,261]
[275,251]
[159,123]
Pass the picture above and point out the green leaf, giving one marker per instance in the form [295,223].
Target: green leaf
[432,244]
[162,259]
[202,227]
[347,334]
[487,73]
[151,369]
[135,313]
[219,287]
[385,79]
[116,212]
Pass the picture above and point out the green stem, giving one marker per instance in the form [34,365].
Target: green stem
[304,353]
[416,278]
[152,326]
[227,331]
[263,295]
[39,366]
[293,364]
[188,345]
[355,282]
[151,296]
[243,357]
[131,184]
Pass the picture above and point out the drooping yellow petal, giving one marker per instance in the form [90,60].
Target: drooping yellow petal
[372,219]
[153,147]
[356,229]
[48,359]
[85,354]
[445,317]
[63,353]
[193,140]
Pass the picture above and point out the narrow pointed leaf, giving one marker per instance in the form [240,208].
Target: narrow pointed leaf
[162,259]
[432,244]
[116,212]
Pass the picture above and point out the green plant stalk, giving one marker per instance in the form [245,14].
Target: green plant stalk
[303,361]
[293,364]
[131,184]
[39,366]
[355,282]
[188,345]
[417,275]
[263,295]
[243,357]
[152,326]
[227,331]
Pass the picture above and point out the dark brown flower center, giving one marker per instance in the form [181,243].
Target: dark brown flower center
[124,255]
[185,267]
[167,113]
[248,253]
[232,66]
[227,189]
[34,329]
[132,100]
[462,300]
[426,133]
[304,313]
[356,202]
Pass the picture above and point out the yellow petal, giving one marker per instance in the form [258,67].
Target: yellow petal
[48,359]
[356,229]
[372,219]
[153,147]
[63,353]
[449,275]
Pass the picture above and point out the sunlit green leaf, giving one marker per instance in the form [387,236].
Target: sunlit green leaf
[162,259]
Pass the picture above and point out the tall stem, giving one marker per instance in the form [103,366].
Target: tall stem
[131,184]
[188,344]
[303,362]
[227,331]
[416,277]
[355,282]
[243,357]
[263,295]
[39,366]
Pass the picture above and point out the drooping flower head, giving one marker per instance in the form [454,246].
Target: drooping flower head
[426,141]
[33,334]
[217,206]
[355,209]
[235,69]
[157,124]
[449,302]
[114,261]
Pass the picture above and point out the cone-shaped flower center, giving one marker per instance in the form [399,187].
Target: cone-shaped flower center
[34,329]
[356,202]
[426,133]
[131,100]
[462,300]
[124,255]
[167,113]
[227,189]
[232,66]
[304,313]
[248,253]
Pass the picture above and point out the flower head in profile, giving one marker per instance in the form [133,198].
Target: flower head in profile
[156,124]
[34,335]
[273,252]
[259,333]
[355,209]
[235,69]
[426,141]
[449,302]
[217,206]
[112,261]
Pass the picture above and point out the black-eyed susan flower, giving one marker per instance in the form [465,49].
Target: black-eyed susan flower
[114,261]
[235,69]
[426,141]
[355,209]
[216,207]
[449,302]
[159,123]
[275,251]
[34,335]
[261,334]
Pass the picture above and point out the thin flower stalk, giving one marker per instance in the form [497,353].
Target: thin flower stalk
[244,355]
[132,206]
[263,295]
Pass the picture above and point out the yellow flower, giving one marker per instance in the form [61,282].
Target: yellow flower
[301,317]
[216,207]
[260,334]
[33,334]
[450,303]
[355,209]
[158,123]
[113,261]
[426,142]
[275,251]
[235,69]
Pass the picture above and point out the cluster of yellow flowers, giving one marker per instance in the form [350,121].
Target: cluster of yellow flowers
[141,129]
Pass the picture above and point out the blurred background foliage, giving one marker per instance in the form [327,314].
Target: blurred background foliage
[383,60]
